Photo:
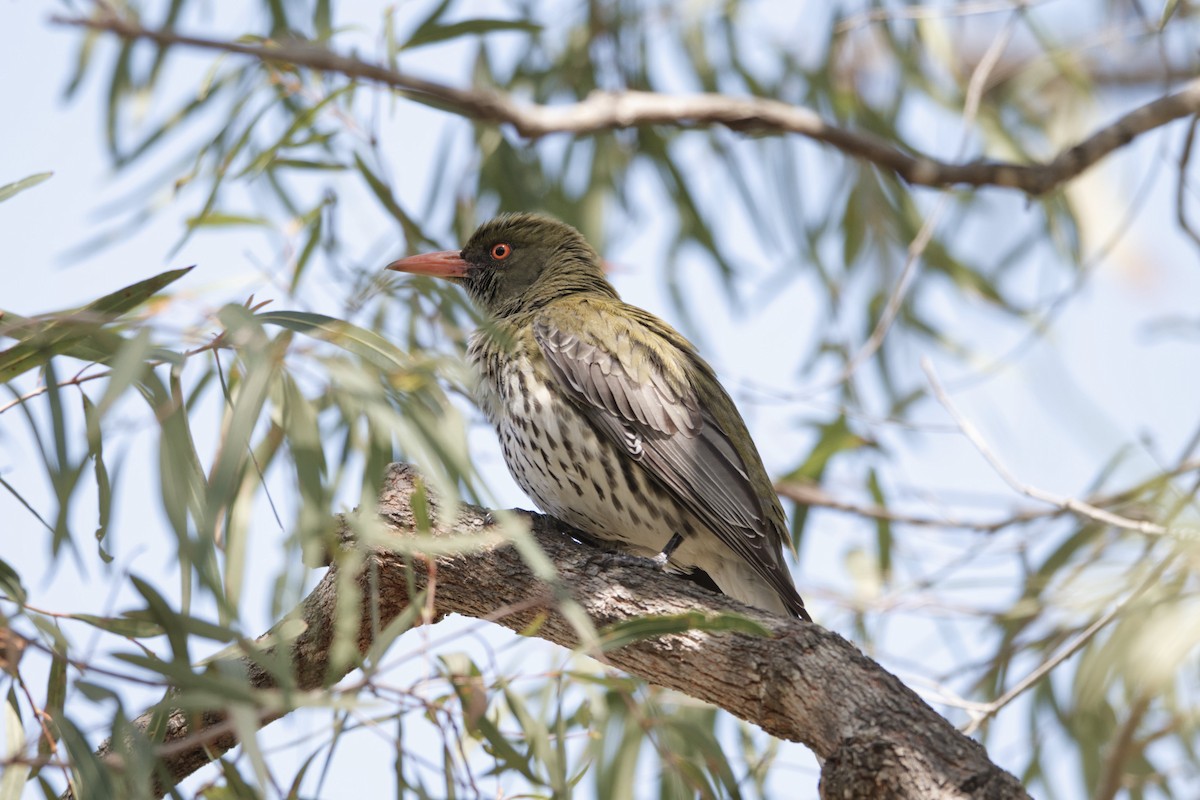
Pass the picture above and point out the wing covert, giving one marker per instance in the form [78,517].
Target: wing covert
[659,422]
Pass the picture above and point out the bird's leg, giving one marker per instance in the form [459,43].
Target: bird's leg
[661,559]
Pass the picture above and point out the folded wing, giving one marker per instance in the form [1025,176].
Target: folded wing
[647,406]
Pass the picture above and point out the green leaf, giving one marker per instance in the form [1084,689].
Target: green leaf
[93,777]
[218,219]
[1168,11]
[56,696]
[366,344]
[262,360]
[128,363]
[322,19]
[836,437]
[66,328]
[160,611]
[883,528]
[412,231]
[122,626]
[470,27]
[10,583]
[11,189]
[100,469]
[627,632]
[307,164]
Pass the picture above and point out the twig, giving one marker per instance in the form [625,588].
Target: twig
[75,381]
[1185,157]
[815,497]
[1070,649]
[1043,669]
[1068,504]
[602,111]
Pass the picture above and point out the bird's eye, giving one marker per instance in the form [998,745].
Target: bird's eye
[501,251]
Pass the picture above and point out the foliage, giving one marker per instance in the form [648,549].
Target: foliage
[261,422]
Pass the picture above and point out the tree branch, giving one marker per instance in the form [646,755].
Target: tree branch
[602,111]
[1067,504]
[876,737]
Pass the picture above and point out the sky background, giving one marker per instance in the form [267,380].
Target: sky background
[1101,379]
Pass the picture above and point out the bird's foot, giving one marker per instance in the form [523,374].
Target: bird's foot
[662,558]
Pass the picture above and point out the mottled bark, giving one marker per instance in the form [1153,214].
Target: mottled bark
[875,737]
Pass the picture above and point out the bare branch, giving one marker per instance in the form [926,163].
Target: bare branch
[612,110]
[876,738]
[814,496]
[1068,504]
[986,712]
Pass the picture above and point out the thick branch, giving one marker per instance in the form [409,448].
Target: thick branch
[802,683]
[610,110]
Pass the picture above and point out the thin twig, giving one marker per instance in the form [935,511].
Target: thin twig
[76,381]
[602,111]
[1068,504]
[1185,157]
[1068,650]
[815,497]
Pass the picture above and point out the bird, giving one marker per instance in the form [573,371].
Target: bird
[608,418]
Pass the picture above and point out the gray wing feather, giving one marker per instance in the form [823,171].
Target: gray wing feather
[681,445]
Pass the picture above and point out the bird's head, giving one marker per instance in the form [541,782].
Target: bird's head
[516,263]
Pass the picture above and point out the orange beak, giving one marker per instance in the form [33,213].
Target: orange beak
[444,264]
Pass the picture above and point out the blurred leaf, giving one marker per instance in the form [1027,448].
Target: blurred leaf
[622,634]
[100,470]
[132,627]
[56,698]
[883,528]
[12,781]
[12,649]
[412,231]
[217,219]
[91,777]
[236,787]
[1168,10]
[835,438]
[263,358]
[431,34]
[10,583]
[52,337]
[8,190]
[364,343]
[159,611]
[323,19]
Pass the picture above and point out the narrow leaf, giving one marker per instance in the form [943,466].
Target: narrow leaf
[53,337]
[468,27]
[8,190]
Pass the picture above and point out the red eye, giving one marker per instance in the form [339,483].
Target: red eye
[501,251]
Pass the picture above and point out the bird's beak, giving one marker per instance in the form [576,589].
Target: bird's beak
[446,264]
